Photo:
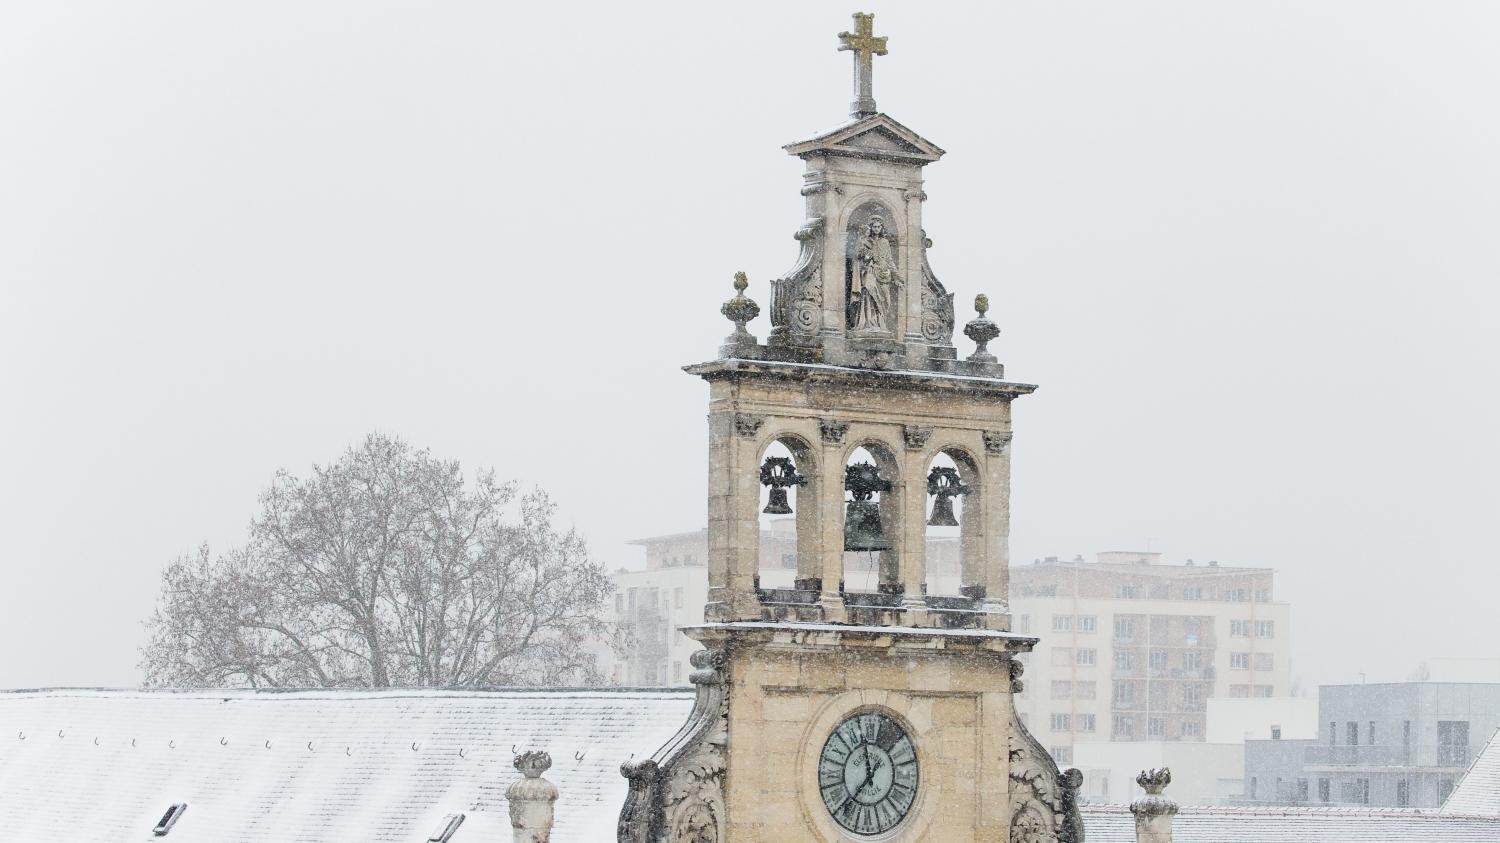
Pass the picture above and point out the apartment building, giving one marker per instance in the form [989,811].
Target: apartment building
[1133,648]
[1387,744]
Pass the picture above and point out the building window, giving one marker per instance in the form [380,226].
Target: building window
[1237,595]
[1265,691]
[676,672]
[1123,660]
[1192,660]
[1128,592]
[1062,689]
[1253,786]
[1191,729]
[1062,623]
[1192,694]
[1239,692]
[630,595]
[1124,726]
[677,598]
[1263,595]
[1085,722]
[1062,754]
[1160,592]
[1026,623]
[1239,661]
[1088,656]
[1062,723]
[1124,693]
[1239,629]
[1156,727]
[1453,742]
[1403,793]
[1193,593]
[619,603]
[1275,733]
[1125,629]
[1062,656]
[1333,735]
[1353,733]
[1083,690]
[1302,790]
[1088,623]
[1445,788]
[1370,734]
[1264,661]
[1157,660]
[1325,791]
[1265,629]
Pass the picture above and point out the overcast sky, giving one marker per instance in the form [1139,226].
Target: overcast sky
[1247,250]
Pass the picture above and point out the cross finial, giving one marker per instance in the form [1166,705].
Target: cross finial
[866,46]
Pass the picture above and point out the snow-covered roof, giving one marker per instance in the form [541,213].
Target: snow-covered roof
[1478,792]
[1115,824]
[82,765]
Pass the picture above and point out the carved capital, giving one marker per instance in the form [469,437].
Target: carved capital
[997,442]
[833,432]
[916,435]
[747,424]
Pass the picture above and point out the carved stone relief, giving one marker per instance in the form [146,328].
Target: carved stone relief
[797,298]
[1043,800]
[677,795]
[937,303]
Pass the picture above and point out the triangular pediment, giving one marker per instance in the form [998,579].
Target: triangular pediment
[877,136]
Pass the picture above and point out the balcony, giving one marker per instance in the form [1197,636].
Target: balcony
[1427,755]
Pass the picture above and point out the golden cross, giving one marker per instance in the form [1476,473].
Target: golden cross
[866,46]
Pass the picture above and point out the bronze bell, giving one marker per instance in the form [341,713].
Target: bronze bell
[944,485]
[780,473]
[862,530]
[778,504]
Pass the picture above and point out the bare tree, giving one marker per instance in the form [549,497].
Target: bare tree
[384,569]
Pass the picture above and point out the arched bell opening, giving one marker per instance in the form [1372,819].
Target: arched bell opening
[946,494]
[872,520]
[787,513]
[955,522]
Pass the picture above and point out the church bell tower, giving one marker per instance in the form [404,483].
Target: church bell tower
[865,695]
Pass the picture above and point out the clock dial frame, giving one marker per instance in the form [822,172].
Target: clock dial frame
[868,774]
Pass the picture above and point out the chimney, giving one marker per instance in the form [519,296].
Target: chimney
[531,799]
[1153,812]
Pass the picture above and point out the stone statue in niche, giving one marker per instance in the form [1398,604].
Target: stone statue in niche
[874,283]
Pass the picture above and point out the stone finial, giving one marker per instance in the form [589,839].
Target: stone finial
[531,799]
[981,331]
[1153,812]
[739,310]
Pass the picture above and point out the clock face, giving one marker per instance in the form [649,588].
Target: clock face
[868,773]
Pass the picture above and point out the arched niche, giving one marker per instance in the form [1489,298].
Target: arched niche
[956,550]
[875,570]
[872,269]
[786,542]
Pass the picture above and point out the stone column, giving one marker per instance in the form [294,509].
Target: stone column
[994,582]
[913,535]
[1153,812]
[831,516]
[531,799]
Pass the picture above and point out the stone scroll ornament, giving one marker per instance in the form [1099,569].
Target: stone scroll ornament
[677,795]
[937,303]
[1043,800]
[797,298]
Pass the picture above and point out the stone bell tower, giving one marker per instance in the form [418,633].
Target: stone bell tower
[848,708]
